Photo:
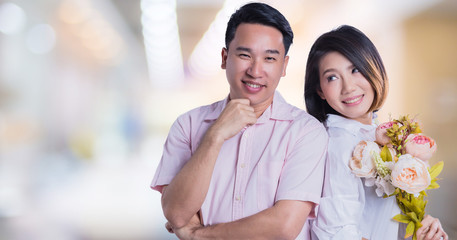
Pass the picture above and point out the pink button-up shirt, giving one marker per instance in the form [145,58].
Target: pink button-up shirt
[281,157]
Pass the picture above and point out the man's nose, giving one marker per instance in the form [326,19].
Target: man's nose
[255,69]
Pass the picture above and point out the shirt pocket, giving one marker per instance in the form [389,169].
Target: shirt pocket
[268,174]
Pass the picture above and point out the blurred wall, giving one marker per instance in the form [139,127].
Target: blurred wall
[430,83]
[83,116]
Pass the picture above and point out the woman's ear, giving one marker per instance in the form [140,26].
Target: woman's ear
[321,94]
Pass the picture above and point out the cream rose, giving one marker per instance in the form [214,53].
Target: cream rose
[362,163]
[410,174]
[420,146]
[381,133]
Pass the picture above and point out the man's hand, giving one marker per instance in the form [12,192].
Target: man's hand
[431,229]
[235,116]
[186,232]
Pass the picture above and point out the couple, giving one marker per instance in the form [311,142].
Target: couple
[252,166]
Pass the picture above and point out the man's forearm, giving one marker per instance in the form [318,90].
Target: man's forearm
[183,197]
[285,220]
[185,194]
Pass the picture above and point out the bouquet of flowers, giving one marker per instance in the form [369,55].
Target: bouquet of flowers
[397,164]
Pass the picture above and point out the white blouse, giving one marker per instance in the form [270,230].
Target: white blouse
[348,209]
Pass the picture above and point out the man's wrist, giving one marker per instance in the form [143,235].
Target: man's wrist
[198,233]
[214,137]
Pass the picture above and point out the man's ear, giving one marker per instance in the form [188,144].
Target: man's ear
[224,58]
[286,62]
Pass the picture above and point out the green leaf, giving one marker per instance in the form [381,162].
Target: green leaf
[406,203]
[418,225]
[395,193]
[436,169]
[402,218]
[417,130]
[385,154]
[410,229]
[418,207]
[395,127]
[433,185]
[413,217]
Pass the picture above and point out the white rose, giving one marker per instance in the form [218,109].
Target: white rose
[362,163]
[383,187]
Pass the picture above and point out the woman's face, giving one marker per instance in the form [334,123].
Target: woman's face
[344,88]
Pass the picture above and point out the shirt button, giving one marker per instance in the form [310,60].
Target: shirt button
[238,198]
[246,135]
[243,165]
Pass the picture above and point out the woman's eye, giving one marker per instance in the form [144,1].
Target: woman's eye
[355,70]
[331,78]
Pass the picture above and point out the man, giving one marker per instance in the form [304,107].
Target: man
[250,166]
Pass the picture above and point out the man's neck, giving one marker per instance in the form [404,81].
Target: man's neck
[260,108]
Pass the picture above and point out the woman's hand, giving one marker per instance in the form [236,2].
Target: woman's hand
[431,229]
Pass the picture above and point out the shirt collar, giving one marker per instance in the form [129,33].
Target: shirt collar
[216,109]
[278,110]
[350,125]
[281,110]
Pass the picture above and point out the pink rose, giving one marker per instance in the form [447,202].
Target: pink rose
[362,163]
[410,174]
[381,133]
[420,146]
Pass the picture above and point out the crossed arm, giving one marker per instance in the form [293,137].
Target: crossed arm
[184,196]
[284,220]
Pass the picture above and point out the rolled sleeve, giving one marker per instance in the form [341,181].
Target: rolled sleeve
[177,151]
[303,172]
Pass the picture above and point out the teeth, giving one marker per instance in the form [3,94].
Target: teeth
[353,100]
[253,85]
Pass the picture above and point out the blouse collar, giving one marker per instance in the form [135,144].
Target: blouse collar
[353,126]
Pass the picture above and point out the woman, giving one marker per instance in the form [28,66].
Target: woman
[345,84]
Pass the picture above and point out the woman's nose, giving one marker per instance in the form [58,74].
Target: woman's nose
[348,85]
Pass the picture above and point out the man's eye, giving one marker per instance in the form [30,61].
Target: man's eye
[242,55]
[270,58]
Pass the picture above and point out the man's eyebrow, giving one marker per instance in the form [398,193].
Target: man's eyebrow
[272,51]
[245,49]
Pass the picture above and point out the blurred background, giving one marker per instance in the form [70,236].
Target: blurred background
[90,88]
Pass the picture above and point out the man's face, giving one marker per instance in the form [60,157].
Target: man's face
[254,63]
